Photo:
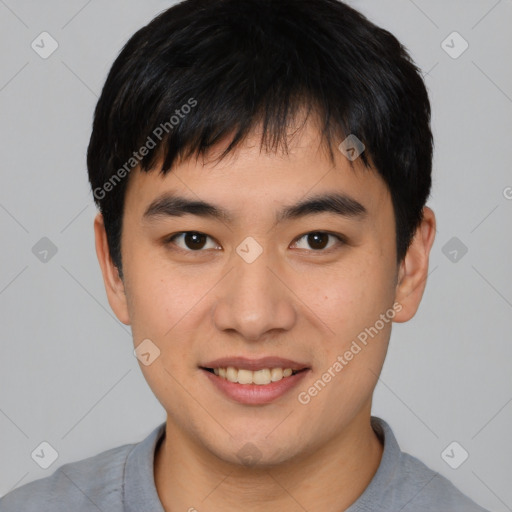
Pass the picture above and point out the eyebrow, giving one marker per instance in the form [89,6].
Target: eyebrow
[169,205]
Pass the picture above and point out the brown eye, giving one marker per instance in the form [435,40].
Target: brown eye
[192,241]
[319,240]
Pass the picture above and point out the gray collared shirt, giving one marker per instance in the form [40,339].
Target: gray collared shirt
[121,480]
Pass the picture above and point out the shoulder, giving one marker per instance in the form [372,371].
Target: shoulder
[86,485]
[428,490]
[403,482]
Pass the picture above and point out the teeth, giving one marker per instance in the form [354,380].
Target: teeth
[244,376]
[276,374]
[231,374]
[260,377]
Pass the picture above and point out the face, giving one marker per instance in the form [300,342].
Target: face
[260,281]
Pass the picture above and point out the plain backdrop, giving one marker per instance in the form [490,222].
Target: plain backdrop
[68,374]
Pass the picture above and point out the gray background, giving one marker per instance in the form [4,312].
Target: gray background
[68,374]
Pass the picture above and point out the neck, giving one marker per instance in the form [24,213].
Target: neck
[330,478]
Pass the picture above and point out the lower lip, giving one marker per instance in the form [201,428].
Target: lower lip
[255,394]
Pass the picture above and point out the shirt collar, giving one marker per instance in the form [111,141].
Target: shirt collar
[386,472]
[139,489]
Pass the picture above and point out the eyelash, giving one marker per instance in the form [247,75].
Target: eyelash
[340,238]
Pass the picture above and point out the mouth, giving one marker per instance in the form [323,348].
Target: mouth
[254,381]
[261,377]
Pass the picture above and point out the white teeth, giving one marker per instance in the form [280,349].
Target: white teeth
[260,377]
[276,374]
[231,374]
[244,377]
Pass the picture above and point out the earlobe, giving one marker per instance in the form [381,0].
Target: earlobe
[114,285]
[413,271]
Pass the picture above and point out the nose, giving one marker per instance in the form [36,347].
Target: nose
[255,300]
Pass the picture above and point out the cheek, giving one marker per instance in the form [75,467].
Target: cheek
[350,360]
[159,298]
[352,305]
[161,307]
[164,313]
[352,300]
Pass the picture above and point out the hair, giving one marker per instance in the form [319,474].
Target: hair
[205,69]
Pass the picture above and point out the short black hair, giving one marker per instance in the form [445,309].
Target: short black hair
[204,69]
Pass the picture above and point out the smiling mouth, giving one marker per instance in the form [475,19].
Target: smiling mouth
[263,376]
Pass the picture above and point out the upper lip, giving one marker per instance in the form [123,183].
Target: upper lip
[244,363]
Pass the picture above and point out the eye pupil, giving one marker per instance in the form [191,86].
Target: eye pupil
[195,240]
[318,240]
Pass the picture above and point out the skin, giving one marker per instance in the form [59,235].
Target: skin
[293,301]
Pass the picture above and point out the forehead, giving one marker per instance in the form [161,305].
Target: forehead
[256,180]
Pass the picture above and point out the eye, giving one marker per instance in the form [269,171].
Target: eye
[193,241]
[318,240]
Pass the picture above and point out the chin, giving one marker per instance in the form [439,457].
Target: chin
[254,451]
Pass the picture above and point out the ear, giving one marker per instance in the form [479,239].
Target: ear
[413,271]
[114,285]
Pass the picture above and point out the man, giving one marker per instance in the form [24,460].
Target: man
[261,169]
